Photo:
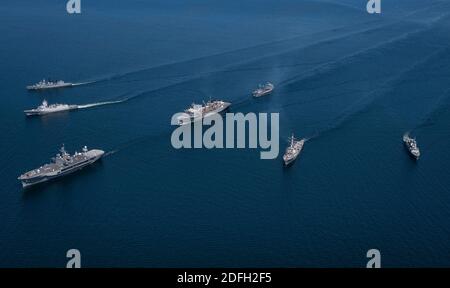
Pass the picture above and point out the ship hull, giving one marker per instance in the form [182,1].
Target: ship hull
[50,87]
[290,161]
[26,183]
[257,95]
[411,154]
[41,113]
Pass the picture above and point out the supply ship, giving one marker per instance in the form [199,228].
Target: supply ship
[197,112]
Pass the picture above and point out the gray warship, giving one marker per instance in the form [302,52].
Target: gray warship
[48,84]
[44,109]
[63,164]
[411,145]
[263,90]
[294,149]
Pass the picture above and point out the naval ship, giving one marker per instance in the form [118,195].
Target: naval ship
[63,164]
[411,145]
[44,108]
[197,112]
[263,90]
[48,84]
[293,150]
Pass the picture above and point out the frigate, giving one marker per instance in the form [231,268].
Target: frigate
[44,109]
[48,84]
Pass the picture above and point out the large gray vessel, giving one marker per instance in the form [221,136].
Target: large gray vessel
[198,112]
[63,164]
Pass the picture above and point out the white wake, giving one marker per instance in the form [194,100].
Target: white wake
[100,104]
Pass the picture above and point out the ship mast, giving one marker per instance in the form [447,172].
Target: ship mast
[63,150]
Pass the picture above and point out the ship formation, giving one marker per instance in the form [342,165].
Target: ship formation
[63,164]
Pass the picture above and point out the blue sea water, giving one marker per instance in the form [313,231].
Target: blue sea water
[352,81]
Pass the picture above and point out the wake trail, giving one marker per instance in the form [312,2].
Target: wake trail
[237,65]
[328,66]
[101,104]
[246,50]
[241,101]
[110,153]
[367,99]
[315,135]
[439,106]
[83,83]
[139,141]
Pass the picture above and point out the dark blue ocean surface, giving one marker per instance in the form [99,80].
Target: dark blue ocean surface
[353,82]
